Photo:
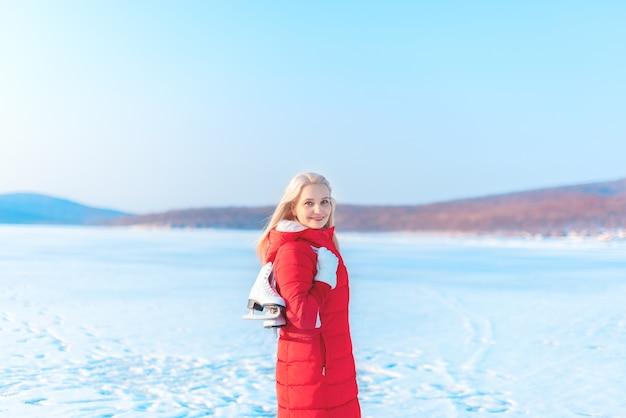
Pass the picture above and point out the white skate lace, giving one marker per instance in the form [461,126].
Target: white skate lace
[269,288]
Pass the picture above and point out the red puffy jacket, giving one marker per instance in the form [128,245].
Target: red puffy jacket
[315,371]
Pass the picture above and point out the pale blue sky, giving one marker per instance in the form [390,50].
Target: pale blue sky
[154,105]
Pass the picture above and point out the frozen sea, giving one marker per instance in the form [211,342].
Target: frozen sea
[98,322]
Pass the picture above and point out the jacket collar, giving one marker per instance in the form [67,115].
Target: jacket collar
[287,231]
[289,226]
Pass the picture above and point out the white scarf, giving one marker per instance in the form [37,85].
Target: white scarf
[289,226]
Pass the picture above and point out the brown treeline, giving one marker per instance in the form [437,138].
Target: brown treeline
[589,209]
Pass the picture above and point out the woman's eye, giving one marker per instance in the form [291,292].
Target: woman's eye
[325,202]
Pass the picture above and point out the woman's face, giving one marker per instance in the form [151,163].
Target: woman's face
[313,207]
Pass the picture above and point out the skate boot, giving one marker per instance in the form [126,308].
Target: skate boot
[265,299]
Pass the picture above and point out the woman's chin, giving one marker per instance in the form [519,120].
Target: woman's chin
[312,224]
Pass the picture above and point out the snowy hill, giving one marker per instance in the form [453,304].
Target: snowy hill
[33,208]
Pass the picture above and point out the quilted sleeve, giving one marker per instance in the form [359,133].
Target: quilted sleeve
[294,269]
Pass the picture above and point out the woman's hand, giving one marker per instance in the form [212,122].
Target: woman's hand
[327,264]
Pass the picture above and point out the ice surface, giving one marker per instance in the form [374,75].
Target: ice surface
[98,322]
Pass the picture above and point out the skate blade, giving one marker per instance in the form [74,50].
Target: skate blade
[253,304]
[270,312]
[275,323]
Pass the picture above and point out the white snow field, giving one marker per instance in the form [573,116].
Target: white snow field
[98,322]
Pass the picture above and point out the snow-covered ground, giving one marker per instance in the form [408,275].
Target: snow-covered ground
[122,323]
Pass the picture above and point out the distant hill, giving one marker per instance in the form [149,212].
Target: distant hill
[33,208]
[585,209]
[225,217]
[588,209]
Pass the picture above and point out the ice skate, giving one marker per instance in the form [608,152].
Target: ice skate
[265,299]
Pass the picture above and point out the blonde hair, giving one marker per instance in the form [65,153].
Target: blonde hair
[284,209]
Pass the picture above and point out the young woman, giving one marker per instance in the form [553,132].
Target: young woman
[315,371]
